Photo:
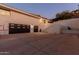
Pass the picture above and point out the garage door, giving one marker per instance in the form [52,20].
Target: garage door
[18,28]
[35,28]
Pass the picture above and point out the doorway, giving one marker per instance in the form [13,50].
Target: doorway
[35,28]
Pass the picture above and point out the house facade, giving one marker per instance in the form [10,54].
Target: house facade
[16,21]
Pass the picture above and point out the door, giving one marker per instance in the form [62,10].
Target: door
[35,28]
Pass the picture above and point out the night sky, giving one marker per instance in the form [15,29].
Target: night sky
[47,10]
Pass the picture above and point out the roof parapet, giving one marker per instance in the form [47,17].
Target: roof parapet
[6,7]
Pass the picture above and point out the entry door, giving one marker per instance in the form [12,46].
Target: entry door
[35,28]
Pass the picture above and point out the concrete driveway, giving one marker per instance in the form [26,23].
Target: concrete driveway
[39,44]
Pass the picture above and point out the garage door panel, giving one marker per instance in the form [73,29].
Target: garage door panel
[18,28]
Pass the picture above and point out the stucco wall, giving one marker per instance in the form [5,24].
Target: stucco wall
[57,27]
[19,18]
[24,19]
[4,24]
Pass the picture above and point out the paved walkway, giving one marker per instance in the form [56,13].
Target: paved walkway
[39,44]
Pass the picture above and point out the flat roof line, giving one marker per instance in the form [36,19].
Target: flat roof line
[20,11]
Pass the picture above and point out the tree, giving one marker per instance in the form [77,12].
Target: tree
[63,15]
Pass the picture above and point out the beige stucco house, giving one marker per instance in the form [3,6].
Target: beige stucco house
[17,21]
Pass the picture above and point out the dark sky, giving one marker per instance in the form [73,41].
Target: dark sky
[47,10]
